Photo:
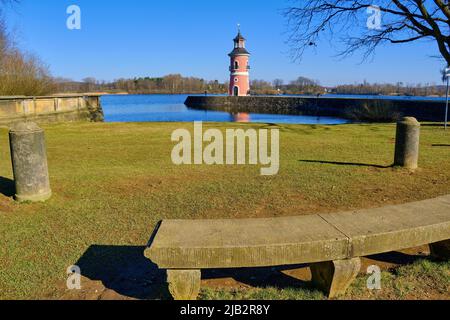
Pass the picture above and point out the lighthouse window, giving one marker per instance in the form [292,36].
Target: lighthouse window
[236,79]
[236,65]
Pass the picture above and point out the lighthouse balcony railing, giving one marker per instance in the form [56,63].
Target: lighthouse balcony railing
[236,69]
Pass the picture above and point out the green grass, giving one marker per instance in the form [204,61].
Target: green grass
[113,182]
[262,294]
[423,279]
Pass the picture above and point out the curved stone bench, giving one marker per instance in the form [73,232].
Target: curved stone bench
[331,243]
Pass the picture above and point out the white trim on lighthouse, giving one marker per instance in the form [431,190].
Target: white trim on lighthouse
[240,74]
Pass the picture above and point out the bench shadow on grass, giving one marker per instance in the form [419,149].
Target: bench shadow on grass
[123,269]
[7,187]
[348,164]
[397,257]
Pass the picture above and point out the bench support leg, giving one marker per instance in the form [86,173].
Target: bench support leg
[334,277]
[441,250]
[184,284]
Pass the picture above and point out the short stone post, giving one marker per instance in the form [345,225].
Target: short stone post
[407,143]
[184,284]
[335,277]
[29,161]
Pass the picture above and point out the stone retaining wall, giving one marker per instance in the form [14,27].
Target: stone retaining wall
[356,109]
[50,109]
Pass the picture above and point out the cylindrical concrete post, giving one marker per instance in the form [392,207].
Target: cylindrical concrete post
[29,161]
[407,143]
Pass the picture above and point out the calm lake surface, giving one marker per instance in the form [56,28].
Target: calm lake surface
[171,108]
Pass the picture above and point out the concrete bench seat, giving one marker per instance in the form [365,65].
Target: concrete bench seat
[331,243]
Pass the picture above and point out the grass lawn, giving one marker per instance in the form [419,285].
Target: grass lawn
[113,182]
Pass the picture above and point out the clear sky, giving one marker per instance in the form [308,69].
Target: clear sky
[193,37]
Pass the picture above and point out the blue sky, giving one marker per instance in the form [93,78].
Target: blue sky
[193,37]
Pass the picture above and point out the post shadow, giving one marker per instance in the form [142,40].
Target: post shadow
[348,164]
[7,187]
[440,145]
[123,269]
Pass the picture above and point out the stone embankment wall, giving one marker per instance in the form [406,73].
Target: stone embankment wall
[50,109]
[355,109]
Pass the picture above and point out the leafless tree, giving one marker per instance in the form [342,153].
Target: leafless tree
[21,73]
[403,21]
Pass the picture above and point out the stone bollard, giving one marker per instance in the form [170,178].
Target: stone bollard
[29,160]
[407,143]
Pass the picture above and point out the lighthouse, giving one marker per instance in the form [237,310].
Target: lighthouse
[239,68]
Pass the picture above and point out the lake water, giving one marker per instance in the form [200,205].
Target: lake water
[171,108]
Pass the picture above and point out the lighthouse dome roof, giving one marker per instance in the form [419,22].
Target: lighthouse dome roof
[239,51]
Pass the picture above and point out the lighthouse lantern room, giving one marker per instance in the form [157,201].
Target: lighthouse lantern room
[239,68]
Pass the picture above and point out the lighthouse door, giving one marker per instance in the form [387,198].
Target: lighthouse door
[236,91]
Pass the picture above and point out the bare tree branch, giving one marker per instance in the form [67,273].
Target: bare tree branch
[404,21]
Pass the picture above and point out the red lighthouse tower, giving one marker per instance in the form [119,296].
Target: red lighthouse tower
[239,68]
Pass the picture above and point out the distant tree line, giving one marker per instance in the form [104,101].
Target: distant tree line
[175,83]
[33,79]
[399,88]
[306,86]
[169,84]
[301,85]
